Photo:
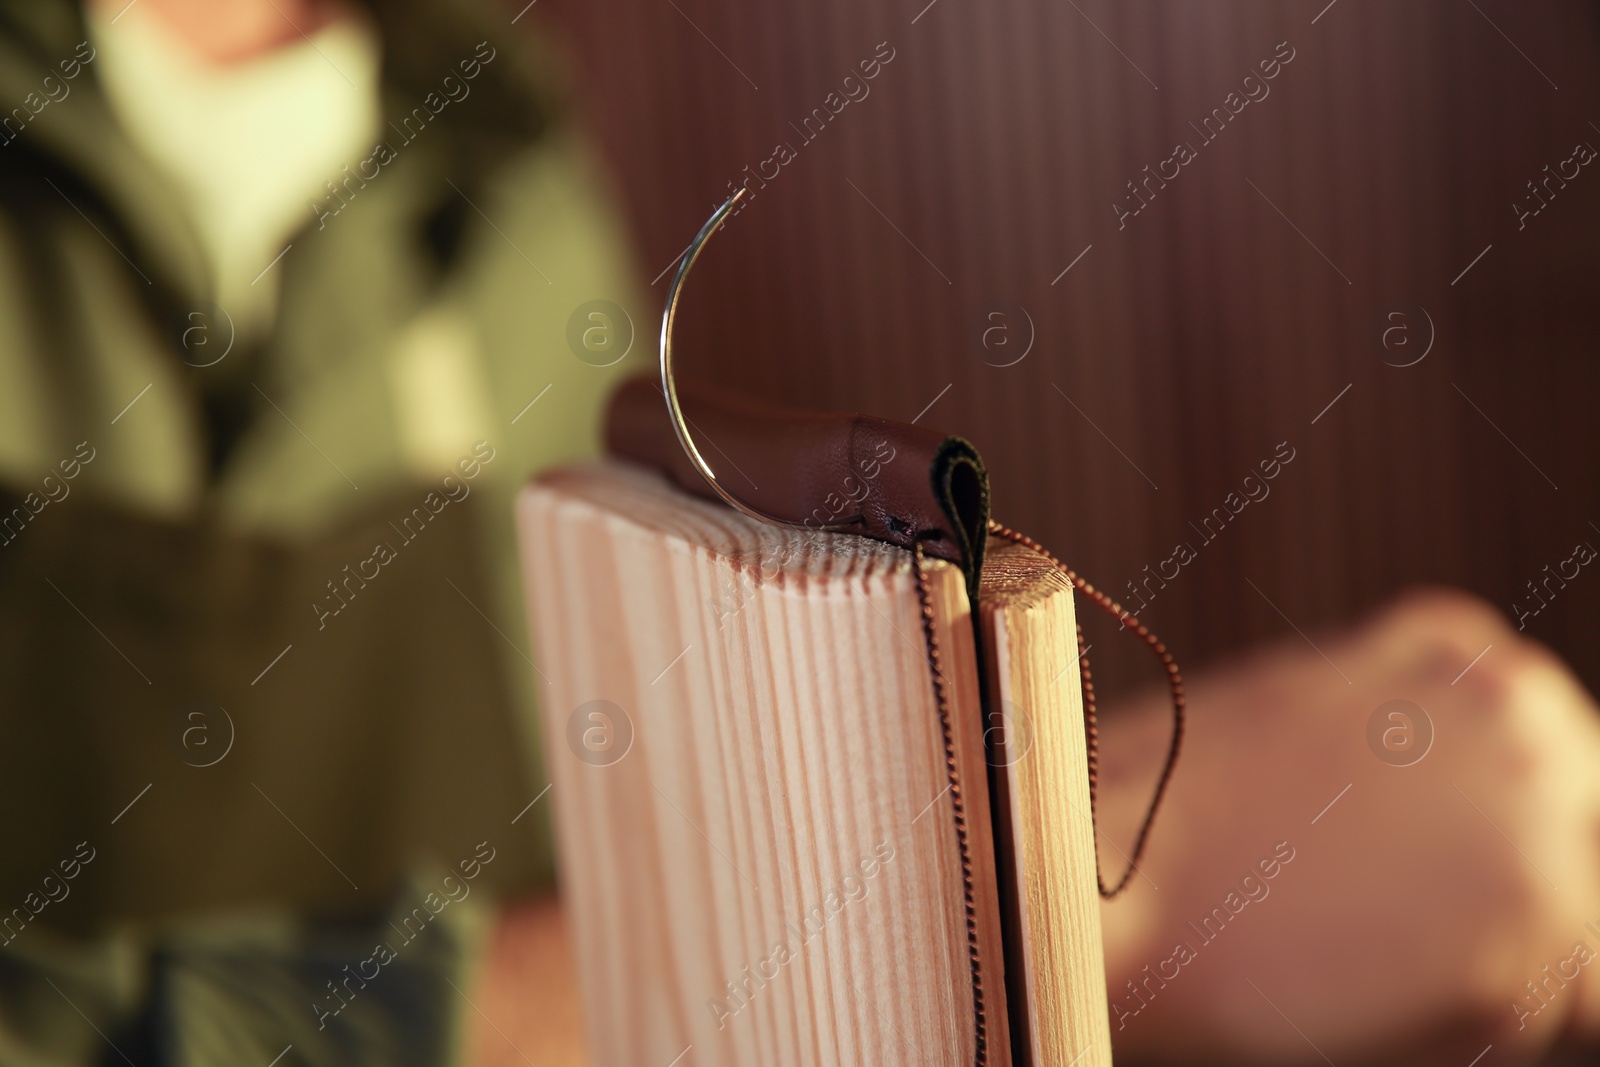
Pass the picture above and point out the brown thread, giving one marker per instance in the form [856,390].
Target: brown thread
[958,807]
[1092,735]
[1091,729]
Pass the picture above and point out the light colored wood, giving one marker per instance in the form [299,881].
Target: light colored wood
[1041,779]
[785,785]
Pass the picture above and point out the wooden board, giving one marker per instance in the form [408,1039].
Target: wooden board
[767,872]
[1041,779]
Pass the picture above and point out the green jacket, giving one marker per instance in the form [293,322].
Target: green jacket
[254,652]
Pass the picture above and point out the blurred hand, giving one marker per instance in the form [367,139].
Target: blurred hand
[1416,901]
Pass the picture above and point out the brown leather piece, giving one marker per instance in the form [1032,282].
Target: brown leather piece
[890,481]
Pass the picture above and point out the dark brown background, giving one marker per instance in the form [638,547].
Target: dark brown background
[1205,332]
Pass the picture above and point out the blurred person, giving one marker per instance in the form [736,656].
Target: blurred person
[283,327]
[213,522]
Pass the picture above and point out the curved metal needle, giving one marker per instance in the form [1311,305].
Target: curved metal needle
[680,425]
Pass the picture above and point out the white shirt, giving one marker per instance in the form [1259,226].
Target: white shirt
[250,144]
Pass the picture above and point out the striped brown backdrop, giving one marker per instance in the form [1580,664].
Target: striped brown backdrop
[985,171]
